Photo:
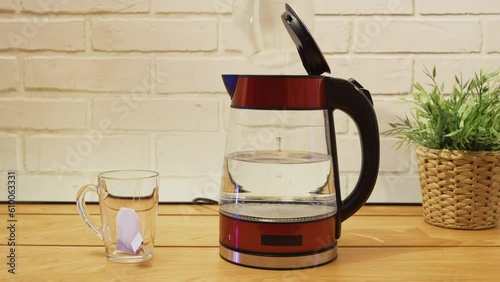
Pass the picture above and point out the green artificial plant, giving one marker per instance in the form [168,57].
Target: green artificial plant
[468,118]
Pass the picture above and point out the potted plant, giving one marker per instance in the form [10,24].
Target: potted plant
[458,149]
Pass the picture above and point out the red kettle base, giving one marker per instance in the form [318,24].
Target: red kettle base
[278,262]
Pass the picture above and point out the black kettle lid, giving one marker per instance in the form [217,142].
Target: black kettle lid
[312,58]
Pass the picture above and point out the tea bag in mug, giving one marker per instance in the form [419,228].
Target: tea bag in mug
[128,231]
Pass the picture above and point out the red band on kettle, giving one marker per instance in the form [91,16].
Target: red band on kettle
[280,93]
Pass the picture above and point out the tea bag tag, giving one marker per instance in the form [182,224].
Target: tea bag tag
[128,231]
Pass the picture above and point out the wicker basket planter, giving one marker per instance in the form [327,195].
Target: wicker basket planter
[460,189]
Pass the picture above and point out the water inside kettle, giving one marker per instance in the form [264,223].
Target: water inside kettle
[284,186]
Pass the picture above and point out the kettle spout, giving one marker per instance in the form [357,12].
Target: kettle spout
[230,81]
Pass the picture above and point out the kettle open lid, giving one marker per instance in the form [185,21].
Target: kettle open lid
[312,58]
[310,54]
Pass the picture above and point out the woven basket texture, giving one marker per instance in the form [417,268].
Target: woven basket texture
[460,189]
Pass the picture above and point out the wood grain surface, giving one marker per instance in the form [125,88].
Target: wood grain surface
[379,243]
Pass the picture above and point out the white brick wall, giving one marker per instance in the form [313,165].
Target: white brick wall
[492,36]
[378,74]
[8,151]
[199,74]
[93,85]
[70,181]
[448,68]
[363,7]
[450,7]
[39,33]
[158,114]
[194,153]
[194,6]
[7,5]
[114,74]
[161,35]
[43,114]
[429,36]
[333,35]
[350,160]
[8,73]
[91,151]
[88,6]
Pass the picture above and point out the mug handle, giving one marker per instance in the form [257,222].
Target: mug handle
[82,208]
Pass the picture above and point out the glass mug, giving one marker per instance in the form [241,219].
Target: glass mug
[128,202]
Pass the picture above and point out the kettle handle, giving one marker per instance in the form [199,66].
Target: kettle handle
[351,98]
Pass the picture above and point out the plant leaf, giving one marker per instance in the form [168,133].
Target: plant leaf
[467,119]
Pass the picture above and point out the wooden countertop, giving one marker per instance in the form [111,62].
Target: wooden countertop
[379,243]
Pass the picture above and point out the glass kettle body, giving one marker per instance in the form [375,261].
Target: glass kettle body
[280,203]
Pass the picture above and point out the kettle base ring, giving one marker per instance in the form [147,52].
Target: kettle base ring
[278,262]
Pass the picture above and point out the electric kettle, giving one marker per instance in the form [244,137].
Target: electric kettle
[280,203]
